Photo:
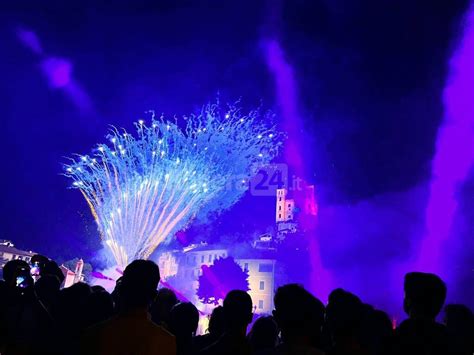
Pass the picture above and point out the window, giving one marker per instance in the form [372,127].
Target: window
[279,215]
[262,285]
[215,256]
[246,267]
[265,267]
[260,304]
[210,258]
[279,199]
[279,208]
[202,258]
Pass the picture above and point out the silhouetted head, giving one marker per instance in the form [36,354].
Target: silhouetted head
[98,288]
[72,305]
[264,334]
[39,261]
[458,316]
[99,307]
[160,310]
[237,310]
[51,268]
[344,314]
[13,268]
[424,295]
[184,319]
[217,321]
[138,285]
[298,313]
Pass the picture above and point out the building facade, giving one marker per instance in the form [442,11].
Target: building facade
[261,282]
[9,252]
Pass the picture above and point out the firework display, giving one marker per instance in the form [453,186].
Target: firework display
[142,188]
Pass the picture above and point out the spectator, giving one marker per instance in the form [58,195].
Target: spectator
[184,319]
[420,334]
[264,335]
[460,327]
[376,331]
[300,317]
[237,317]
[215,330]
[161,308]
[344,315]
[99,308]
[47,290]
[132,331]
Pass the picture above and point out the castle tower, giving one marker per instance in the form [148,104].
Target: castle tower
[284,206]
[78,271]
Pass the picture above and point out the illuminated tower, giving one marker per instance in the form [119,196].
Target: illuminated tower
[284,206]
[78,271]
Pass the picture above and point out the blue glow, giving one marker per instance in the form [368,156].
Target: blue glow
[140,199]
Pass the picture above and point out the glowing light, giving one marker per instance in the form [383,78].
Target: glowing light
[139,202]
[141,122]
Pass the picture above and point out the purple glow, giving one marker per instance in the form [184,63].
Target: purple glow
[287,98]
[30,40]
[454,152]
[58,71]
[291,123]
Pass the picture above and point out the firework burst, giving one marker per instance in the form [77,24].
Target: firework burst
[143,188]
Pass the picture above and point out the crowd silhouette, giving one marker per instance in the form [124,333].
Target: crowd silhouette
[37,316]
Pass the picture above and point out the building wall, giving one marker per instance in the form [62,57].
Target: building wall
[168,264]
[261,283]
[191,262]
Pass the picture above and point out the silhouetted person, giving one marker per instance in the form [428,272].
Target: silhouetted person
[237,316]
[300,317]
[47,290]
[344,316]
[184,319]
[459,322]
[161,307]
[99,308]
[376,331]
[132,331]
[420,334]
[215,329]
[264,335]
[25,320]
[70,312]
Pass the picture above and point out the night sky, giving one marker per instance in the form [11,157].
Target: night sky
[370,76]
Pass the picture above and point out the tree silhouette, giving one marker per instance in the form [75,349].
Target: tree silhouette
[218,279]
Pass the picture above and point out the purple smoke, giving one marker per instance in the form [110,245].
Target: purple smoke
[291,123]
[454,155]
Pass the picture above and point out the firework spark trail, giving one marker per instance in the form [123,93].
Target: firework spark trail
[142,190]
[454,155]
